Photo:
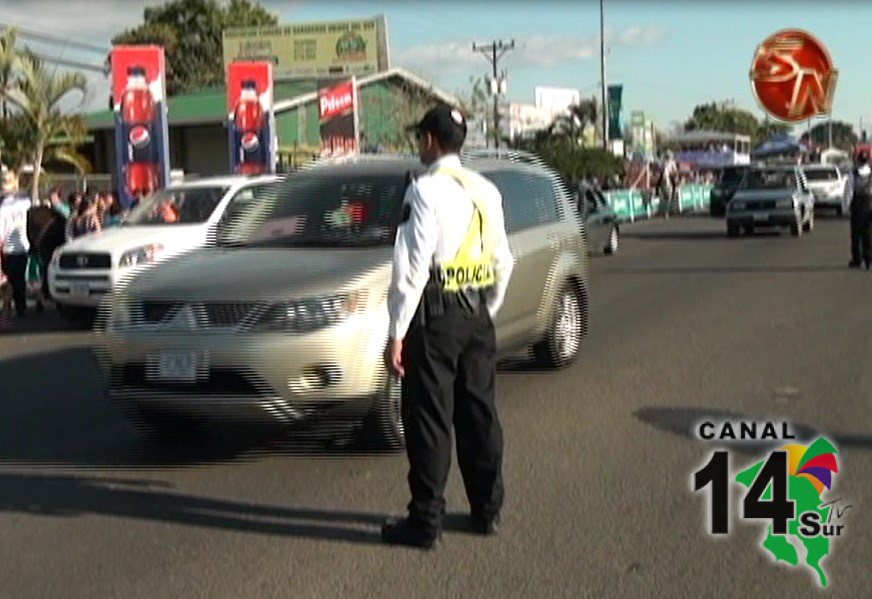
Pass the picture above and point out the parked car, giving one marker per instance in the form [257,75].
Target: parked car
[603,230]
[831,187]
[728,181]
[168,222]
[286,318]
[771,197]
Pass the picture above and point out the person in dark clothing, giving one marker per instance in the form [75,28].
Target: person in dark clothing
[861,213]
[46,231]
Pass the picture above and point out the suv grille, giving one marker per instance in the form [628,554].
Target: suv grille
[220,314]
[211,314]
[76,260]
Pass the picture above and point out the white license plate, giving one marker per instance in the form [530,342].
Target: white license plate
[176,366]
[80,289]
[761,217]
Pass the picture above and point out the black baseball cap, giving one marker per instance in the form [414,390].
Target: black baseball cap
[445,122]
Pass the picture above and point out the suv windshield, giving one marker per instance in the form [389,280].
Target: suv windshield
[321,210]
[732,176]
[176,206]
[821,174]
[772,179]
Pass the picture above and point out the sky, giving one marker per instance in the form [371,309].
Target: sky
[669,55]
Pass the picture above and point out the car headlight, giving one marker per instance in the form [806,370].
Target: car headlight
[784,204]
[307,315]
[141,255]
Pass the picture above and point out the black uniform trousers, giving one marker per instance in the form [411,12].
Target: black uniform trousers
[861,235]
[450,373]
[15,268]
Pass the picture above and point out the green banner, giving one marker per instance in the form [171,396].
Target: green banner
[614,100]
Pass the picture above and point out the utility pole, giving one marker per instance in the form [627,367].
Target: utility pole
[605,105]
[493,52]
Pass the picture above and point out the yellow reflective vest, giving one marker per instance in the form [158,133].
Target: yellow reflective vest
[473,265]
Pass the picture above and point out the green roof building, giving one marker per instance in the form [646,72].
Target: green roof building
[389,101]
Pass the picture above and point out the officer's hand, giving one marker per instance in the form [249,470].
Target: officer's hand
[394,357]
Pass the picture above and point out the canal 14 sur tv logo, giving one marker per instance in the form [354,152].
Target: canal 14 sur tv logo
[791,487]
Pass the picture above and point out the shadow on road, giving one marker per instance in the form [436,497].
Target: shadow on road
[719,270]
[48,321]
[55,412]
[684,421]
[71,496]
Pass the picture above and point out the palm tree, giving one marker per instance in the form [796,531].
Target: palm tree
[38,93]
[575,122]
[8,61]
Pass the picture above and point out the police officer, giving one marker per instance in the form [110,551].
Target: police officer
[451,267]
[861,213]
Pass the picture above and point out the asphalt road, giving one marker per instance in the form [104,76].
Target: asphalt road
[685,324]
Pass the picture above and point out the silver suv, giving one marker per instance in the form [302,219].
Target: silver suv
[286,317]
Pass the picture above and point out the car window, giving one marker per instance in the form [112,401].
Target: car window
[528,200]
[241,216]
[317,209]
[821,174]
[770,179]
[176,205]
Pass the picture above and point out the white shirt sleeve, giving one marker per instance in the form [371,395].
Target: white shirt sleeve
[504,262]
[413,256]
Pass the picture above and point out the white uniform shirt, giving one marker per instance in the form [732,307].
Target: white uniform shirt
[440,211]
[13,224]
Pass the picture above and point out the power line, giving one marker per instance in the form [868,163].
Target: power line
[56,39]
[72,63]
[493,52]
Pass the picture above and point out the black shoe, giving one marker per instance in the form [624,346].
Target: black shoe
[853,264]
[402,532]
[485,525]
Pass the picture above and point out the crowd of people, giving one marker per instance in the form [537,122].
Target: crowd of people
[30,232]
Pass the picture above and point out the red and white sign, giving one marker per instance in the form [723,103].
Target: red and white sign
[336,100]
[793,76]
[337,108]
[251,118]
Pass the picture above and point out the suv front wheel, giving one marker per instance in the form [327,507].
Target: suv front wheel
[562,342]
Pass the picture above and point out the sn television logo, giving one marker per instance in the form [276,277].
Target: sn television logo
[336,101]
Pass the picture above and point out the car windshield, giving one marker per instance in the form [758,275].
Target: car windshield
[821,174]
[732,175]
[319,210]
[176,206]
[772,179]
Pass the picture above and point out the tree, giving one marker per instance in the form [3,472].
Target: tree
[575,122]
[844,137]
[191,33]
[48,134]
[8,60]
[724,117]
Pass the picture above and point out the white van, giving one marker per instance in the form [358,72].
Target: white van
[168,222]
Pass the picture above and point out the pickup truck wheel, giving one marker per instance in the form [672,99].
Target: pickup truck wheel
[562,342]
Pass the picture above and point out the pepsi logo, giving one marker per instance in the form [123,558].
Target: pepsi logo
[139,136]
[250,142]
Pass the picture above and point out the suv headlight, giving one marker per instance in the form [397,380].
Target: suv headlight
[141,255]
[307,315]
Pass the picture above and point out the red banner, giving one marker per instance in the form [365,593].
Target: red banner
[336,100]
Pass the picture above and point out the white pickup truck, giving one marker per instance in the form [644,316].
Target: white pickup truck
[830,186]
[173,220]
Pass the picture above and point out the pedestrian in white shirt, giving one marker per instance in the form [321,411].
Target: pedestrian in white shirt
[14,246]
[451,267]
